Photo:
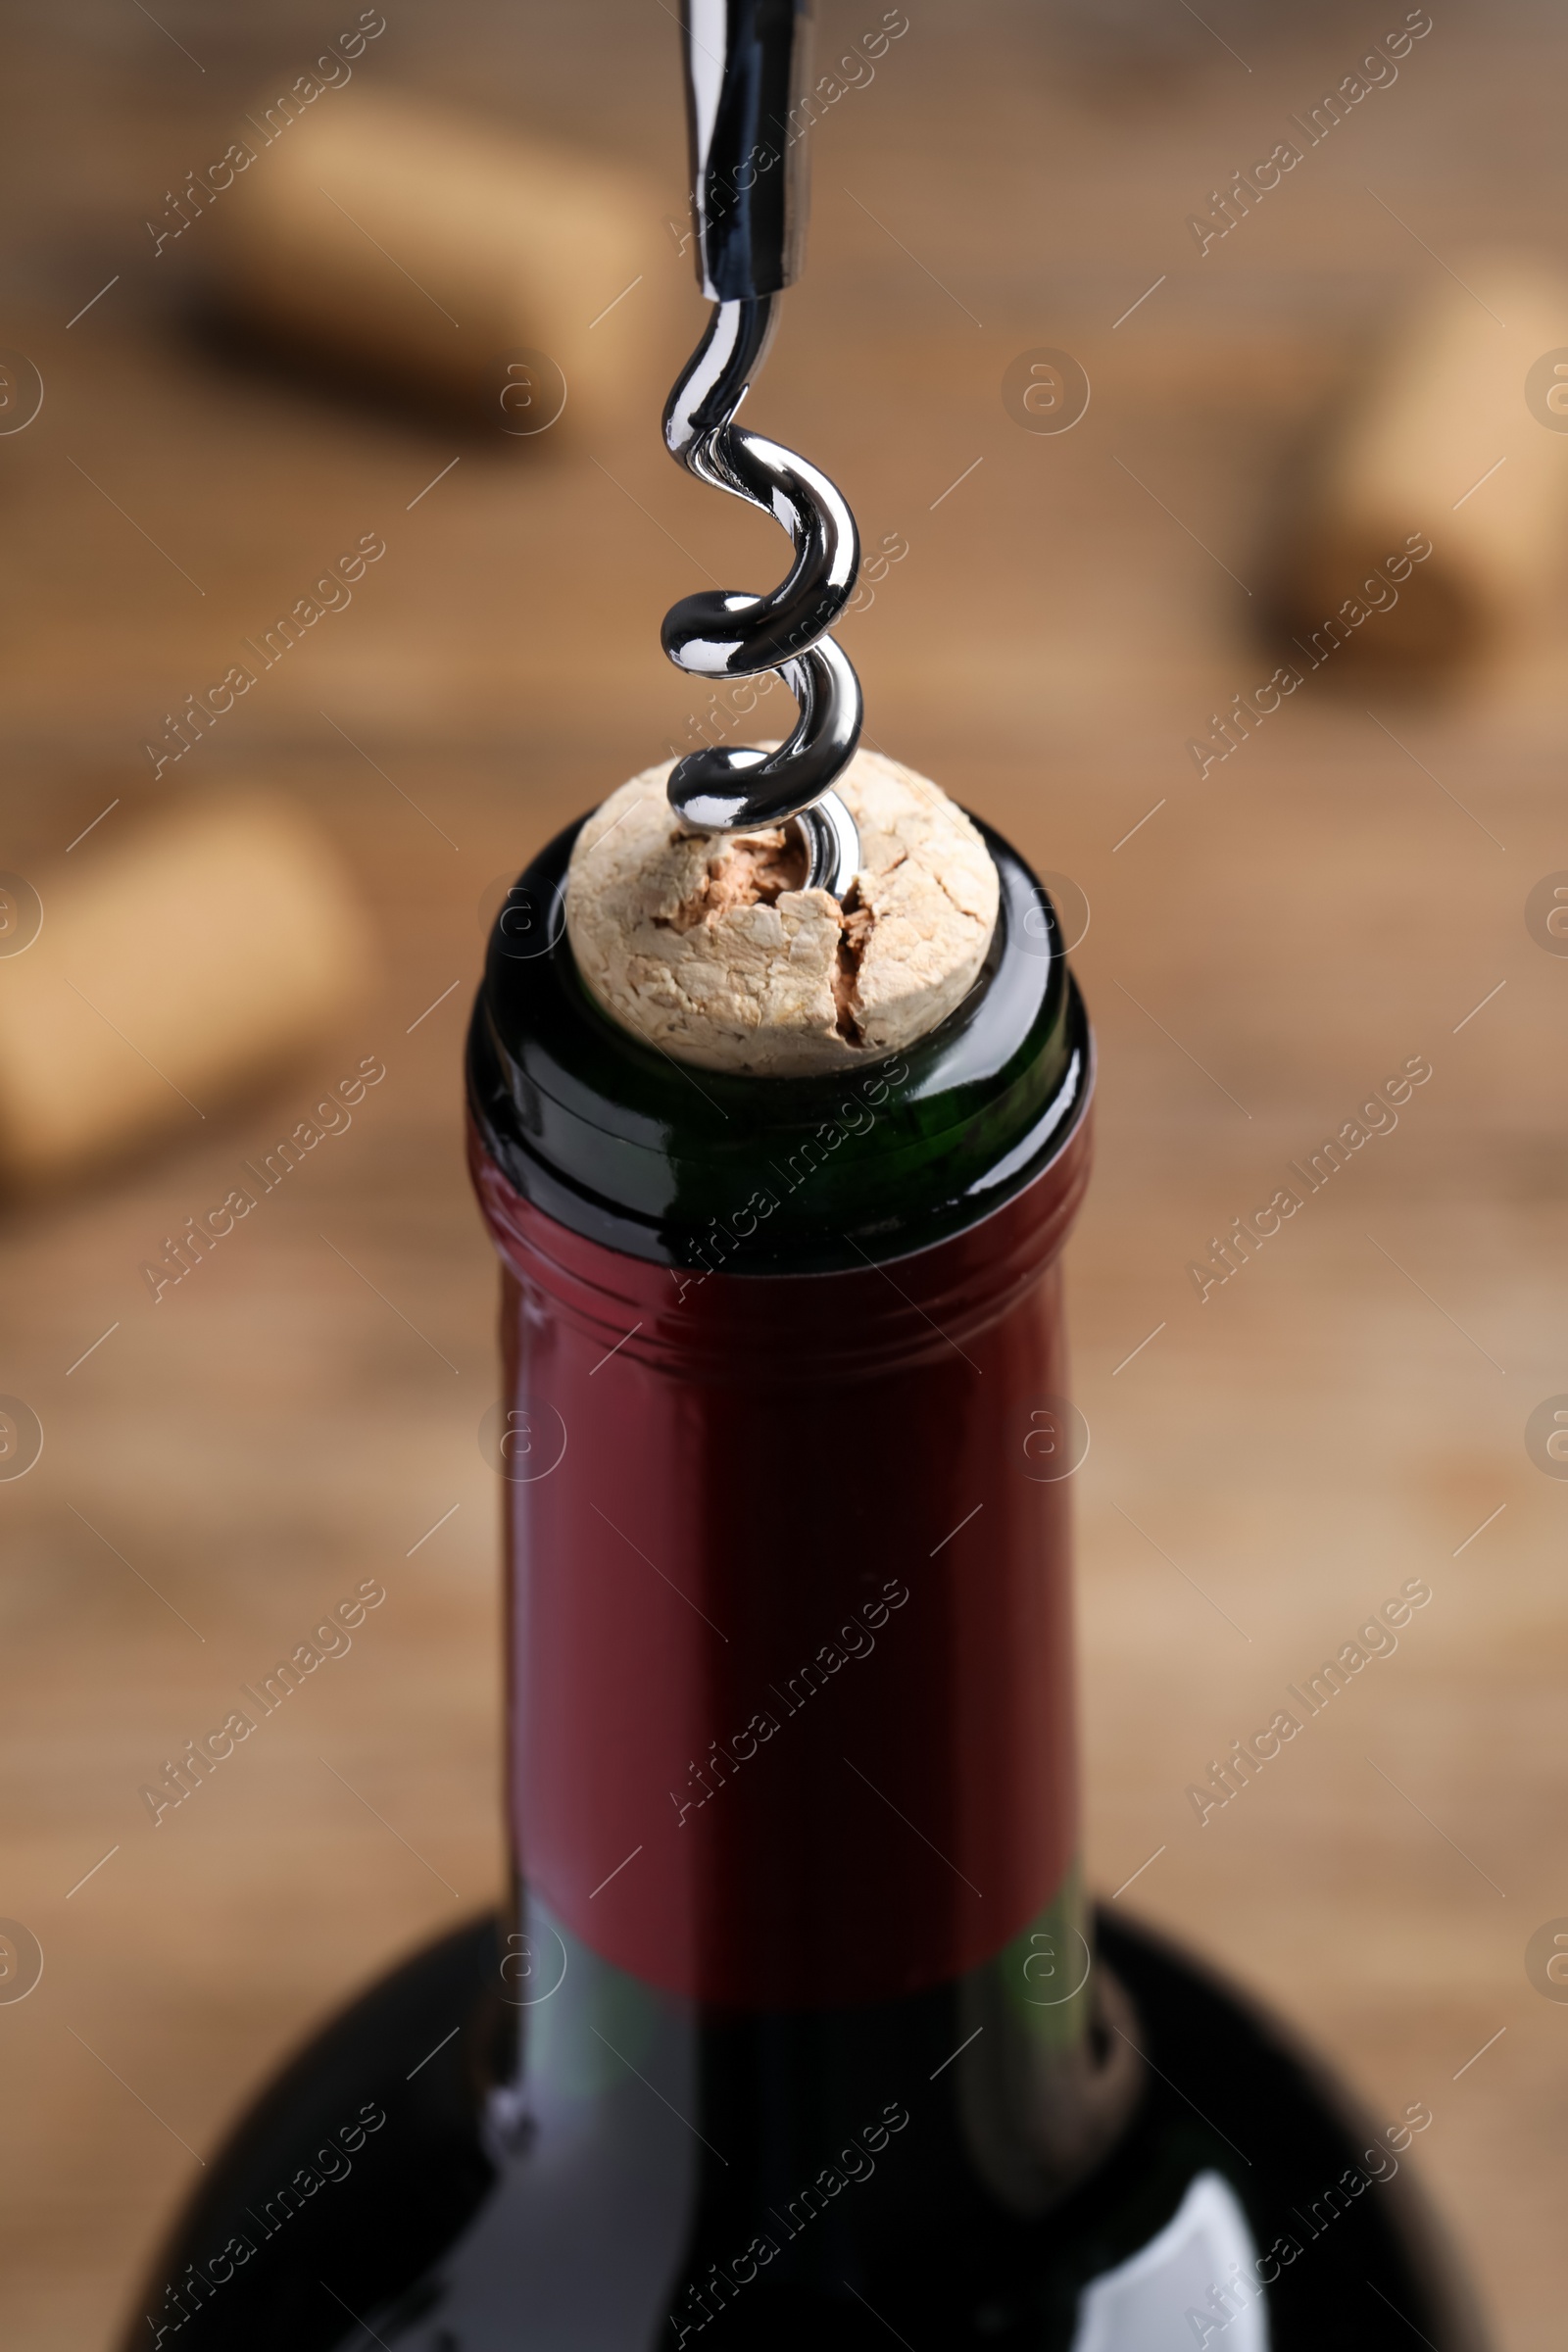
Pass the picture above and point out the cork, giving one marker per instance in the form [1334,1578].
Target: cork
[424,250]
[707,948]
[145,982]
[1435,515]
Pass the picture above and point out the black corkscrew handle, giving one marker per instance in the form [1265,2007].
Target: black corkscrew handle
[748,64]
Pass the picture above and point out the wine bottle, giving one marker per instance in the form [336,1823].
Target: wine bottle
[797,2027]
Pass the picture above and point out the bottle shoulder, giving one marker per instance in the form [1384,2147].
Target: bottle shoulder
[405,2177]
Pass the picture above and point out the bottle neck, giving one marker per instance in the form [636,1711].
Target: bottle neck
[791,1767]
[785,1450]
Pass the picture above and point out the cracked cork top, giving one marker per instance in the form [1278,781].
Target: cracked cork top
[706,946]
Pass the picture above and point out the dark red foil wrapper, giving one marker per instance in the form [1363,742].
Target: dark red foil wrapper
[790,1639]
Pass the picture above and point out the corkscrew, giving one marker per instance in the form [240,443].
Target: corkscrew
[745,75]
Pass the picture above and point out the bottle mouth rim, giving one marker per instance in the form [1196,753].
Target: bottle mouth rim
[613,1138]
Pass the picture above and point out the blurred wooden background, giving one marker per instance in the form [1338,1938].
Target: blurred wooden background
[1264,1472]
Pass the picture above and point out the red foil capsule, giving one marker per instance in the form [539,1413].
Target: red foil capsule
[790,1647]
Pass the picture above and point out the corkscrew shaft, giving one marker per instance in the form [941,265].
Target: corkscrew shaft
[745,71]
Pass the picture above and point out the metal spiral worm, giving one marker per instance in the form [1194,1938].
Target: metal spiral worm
[727,634]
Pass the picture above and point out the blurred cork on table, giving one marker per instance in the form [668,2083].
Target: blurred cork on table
[421,250]
[147,984]
[1434,517]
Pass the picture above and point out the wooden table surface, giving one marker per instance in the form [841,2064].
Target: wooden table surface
[1267,1467]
